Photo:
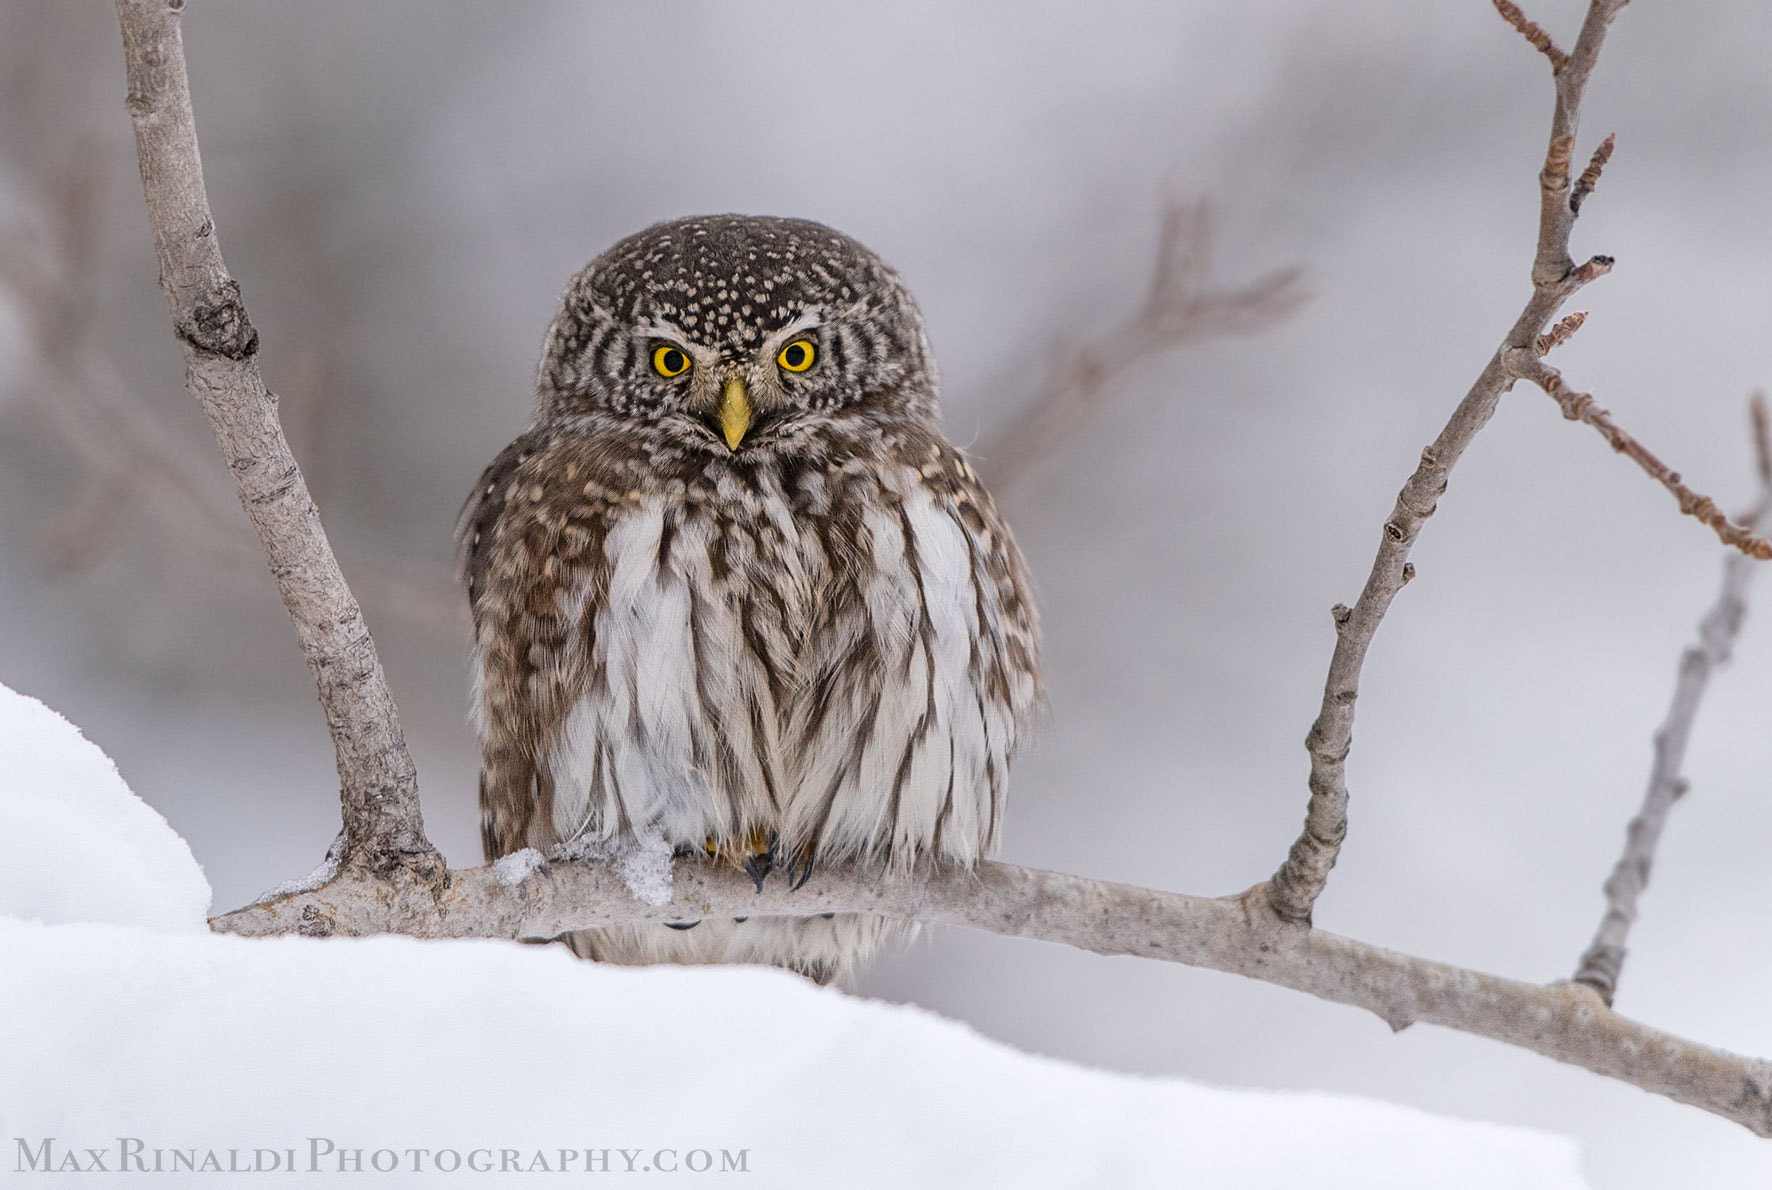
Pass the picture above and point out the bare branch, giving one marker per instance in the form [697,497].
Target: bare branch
[1295,887]
[134,463]
[1541,41]
[1237,934]
[1181,307]
[85,401]
[1581,407]
[1600,965]
[378,784]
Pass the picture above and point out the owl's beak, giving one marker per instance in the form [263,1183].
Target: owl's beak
[735,411]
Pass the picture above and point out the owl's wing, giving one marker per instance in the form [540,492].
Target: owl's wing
[924,671]
[486,566]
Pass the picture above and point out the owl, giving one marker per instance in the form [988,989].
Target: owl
[733,591]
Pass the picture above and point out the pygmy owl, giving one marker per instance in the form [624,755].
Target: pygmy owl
[733,589]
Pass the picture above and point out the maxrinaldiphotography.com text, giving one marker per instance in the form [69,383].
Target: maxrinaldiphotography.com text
[324,1155]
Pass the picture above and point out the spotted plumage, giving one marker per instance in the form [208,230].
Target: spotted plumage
[732,588]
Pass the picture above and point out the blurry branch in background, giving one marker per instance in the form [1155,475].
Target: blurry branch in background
[131,460]
[1600,965]
[132,463]
[1182,306]
[384,876]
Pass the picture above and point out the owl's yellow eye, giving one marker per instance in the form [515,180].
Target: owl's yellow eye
[796,356]
[669,361]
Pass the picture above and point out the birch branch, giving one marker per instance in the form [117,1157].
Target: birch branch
[1241,935]
[378,786]
[1604,959]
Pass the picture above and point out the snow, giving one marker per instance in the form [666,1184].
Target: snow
[133,1038]
[644,862]
[325,870]
[515,868]
[77,844]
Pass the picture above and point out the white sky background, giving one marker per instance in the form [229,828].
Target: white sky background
[403,188]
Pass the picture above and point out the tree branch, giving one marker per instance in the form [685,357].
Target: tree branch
[134,463]
[1300,880]
[1240,934]
[378,787]
[1581,407]
[1181,307]
[1604,959]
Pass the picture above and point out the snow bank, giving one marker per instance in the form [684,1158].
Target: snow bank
[75,843]
[420,1063]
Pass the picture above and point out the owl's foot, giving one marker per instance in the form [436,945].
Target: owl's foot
[799,869]
[755,857]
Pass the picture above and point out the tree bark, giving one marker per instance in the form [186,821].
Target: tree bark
[378,786]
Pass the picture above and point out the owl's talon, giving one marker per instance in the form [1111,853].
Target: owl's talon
[756,857]
[757,866]
[800,870]
[683,925]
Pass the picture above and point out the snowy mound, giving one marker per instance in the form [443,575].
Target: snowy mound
[131,1051]
[79,845]
[408,1055]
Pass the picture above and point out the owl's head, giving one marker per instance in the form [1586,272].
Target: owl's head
[737,333]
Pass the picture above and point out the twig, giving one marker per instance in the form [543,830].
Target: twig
[1590,177]
[1181,307]
[1295,887]
[1581,407]
[378,785]
[1560,333]
[1540,40]
[1600,965]
[1237,934]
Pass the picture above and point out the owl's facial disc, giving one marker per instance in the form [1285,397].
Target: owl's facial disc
[816,330]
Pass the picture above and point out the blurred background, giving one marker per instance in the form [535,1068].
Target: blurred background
[402,188]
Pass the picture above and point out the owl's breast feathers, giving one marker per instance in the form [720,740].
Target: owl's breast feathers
[843,650]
